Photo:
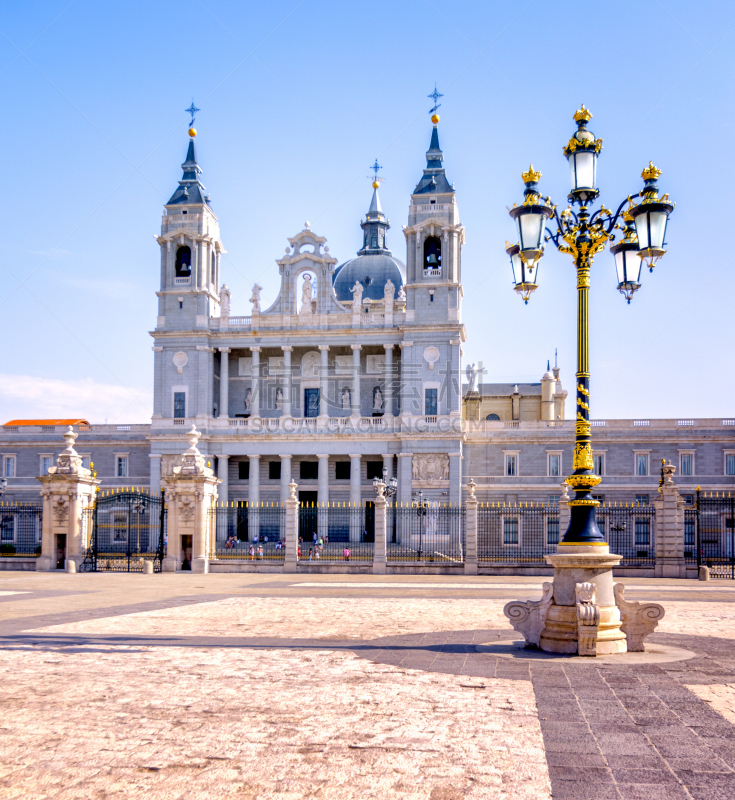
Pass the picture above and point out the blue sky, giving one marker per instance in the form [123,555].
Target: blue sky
[297,99]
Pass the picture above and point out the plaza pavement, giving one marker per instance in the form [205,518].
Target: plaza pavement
[407,687]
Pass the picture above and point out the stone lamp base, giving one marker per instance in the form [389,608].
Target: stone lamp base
[582,611]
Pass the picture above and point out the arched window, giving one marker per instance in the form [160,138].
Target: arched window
[183,262]
[492,418]
[433,253]
[214,276]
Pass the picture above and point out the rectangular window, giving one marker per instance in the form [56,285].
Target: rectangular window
[642,531]
[86,461]
[641,499]
[9,467]
[641,464]
[599,461]
[7,528]
[552,530]
[688,532]
[122,467]
[179,405]
[342,470]
[686,464]
[243,470]
[554,466]
[308,470]
[510,531]
[511,465]
[311,402]
[374,469]
[730,464]
[120,527]
[688,499]
[430,402]
[46,463]
[554,499]
[274,470]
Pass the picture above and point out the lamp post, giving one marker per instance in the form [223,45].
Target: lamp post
[390,486]
[582,233]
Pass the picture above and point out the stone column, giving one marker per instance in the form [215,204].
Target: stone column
[356,401]
[405,479]
[470,530]
[406,380]
[292,529]
[388,388]
[254,498]
[155,479]
[455,478]
[379,553]
[324,381]
[224,382]
[670,528]
[158,402]
[287,384]
[191,492]
[255,384]
[285,475]
[355,487]
[388,465]
[66,491]
[323,478]
[223,464]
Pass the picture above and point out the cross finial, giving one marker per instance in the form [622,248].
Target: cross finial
[375,167]
[435,95]
[192,110]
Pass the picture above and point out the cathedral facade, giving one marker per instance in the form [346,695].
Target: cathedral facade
[353,372]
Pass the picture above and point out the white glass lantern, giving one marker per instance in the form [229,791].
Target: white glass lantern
[530,218]
[525,275]
[628,262]
[651,217]
[583,165]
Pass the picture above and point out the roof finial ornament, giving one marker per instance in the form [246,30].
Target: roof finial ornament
[376,180]
[435,95]
[193,111]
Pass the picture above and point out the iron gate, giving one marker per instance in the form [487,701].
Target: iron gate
[124,530]
[716,533]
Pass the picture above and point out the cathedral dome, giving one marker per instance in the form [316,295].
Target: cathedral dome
[373,272]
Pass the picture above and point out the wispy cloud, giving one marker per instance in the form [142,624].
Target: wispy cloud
[29,397]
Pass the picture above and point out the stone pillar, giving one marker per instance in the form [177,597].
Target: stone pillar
[255,384]
[191,492]
[470,530]
[155,479]
[285,475]
[356,401]
[670,528]
[407,381]
[388,388]
[223,464]
[287,389]
[381,533]
[388,465]
[254,498]
[292,529]
[324,381]
[564,510]
[355,488]
[455,478]
[323,478]
[66,491]
[405,479]
[224,382]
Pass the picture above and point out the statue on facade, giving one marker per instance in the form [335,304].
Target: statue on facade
[357,291]
[389,292]
[346,398]
[248,400]
[306,290]
[255,298]
[279,399]
[377,400]
[401,295]
[473,372]
[224,300]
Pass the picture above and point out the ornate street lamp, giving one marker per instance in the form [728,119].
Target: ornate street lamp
[583,234]
[390,486]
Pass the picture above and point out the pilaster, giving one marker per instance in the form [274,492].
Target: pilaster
[670,528]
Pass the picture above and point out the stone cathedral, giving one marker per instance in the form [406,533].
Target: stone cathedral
[355,368]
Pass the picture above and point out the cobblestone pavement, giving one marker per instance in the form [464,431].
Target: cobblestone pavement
[255,686]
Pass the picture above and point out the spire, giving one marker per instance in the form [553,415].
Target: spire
[375,227]
[434,180]
[191,190]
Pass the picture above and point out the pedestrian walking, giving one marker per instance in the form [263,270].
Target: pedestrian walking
[346,553]
[252,553]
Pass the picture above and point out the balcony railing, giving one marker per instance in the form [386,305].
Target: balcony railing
[182,281]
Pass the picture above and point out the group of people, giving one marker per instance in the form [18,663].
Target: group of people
[317,548]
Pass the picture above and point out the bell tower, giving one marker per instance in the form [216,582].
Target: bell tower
[434,239]
[191,249]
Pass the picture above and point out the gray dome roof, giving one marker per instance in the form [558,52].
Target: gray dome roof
[373,271]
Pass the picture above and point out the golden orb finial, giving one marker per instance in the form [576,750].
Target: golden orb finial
[375,184]
[435,119]
[583,115]
[192,132]
[532,176]
[651,172]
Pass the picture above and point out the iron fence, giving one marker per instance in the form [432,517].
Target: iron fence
[21,525]
[715,522]
[122,531]
[427,532]
[523,533]
[336,532]
[516,533]
[240,531]
[690,536]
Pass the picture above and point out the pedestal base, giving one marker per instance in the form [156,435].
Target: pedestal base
[560,633]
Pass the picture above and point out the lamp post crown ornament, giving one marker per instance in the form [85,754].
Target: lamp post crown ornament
[70,437]
[292,490]
[471,486]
